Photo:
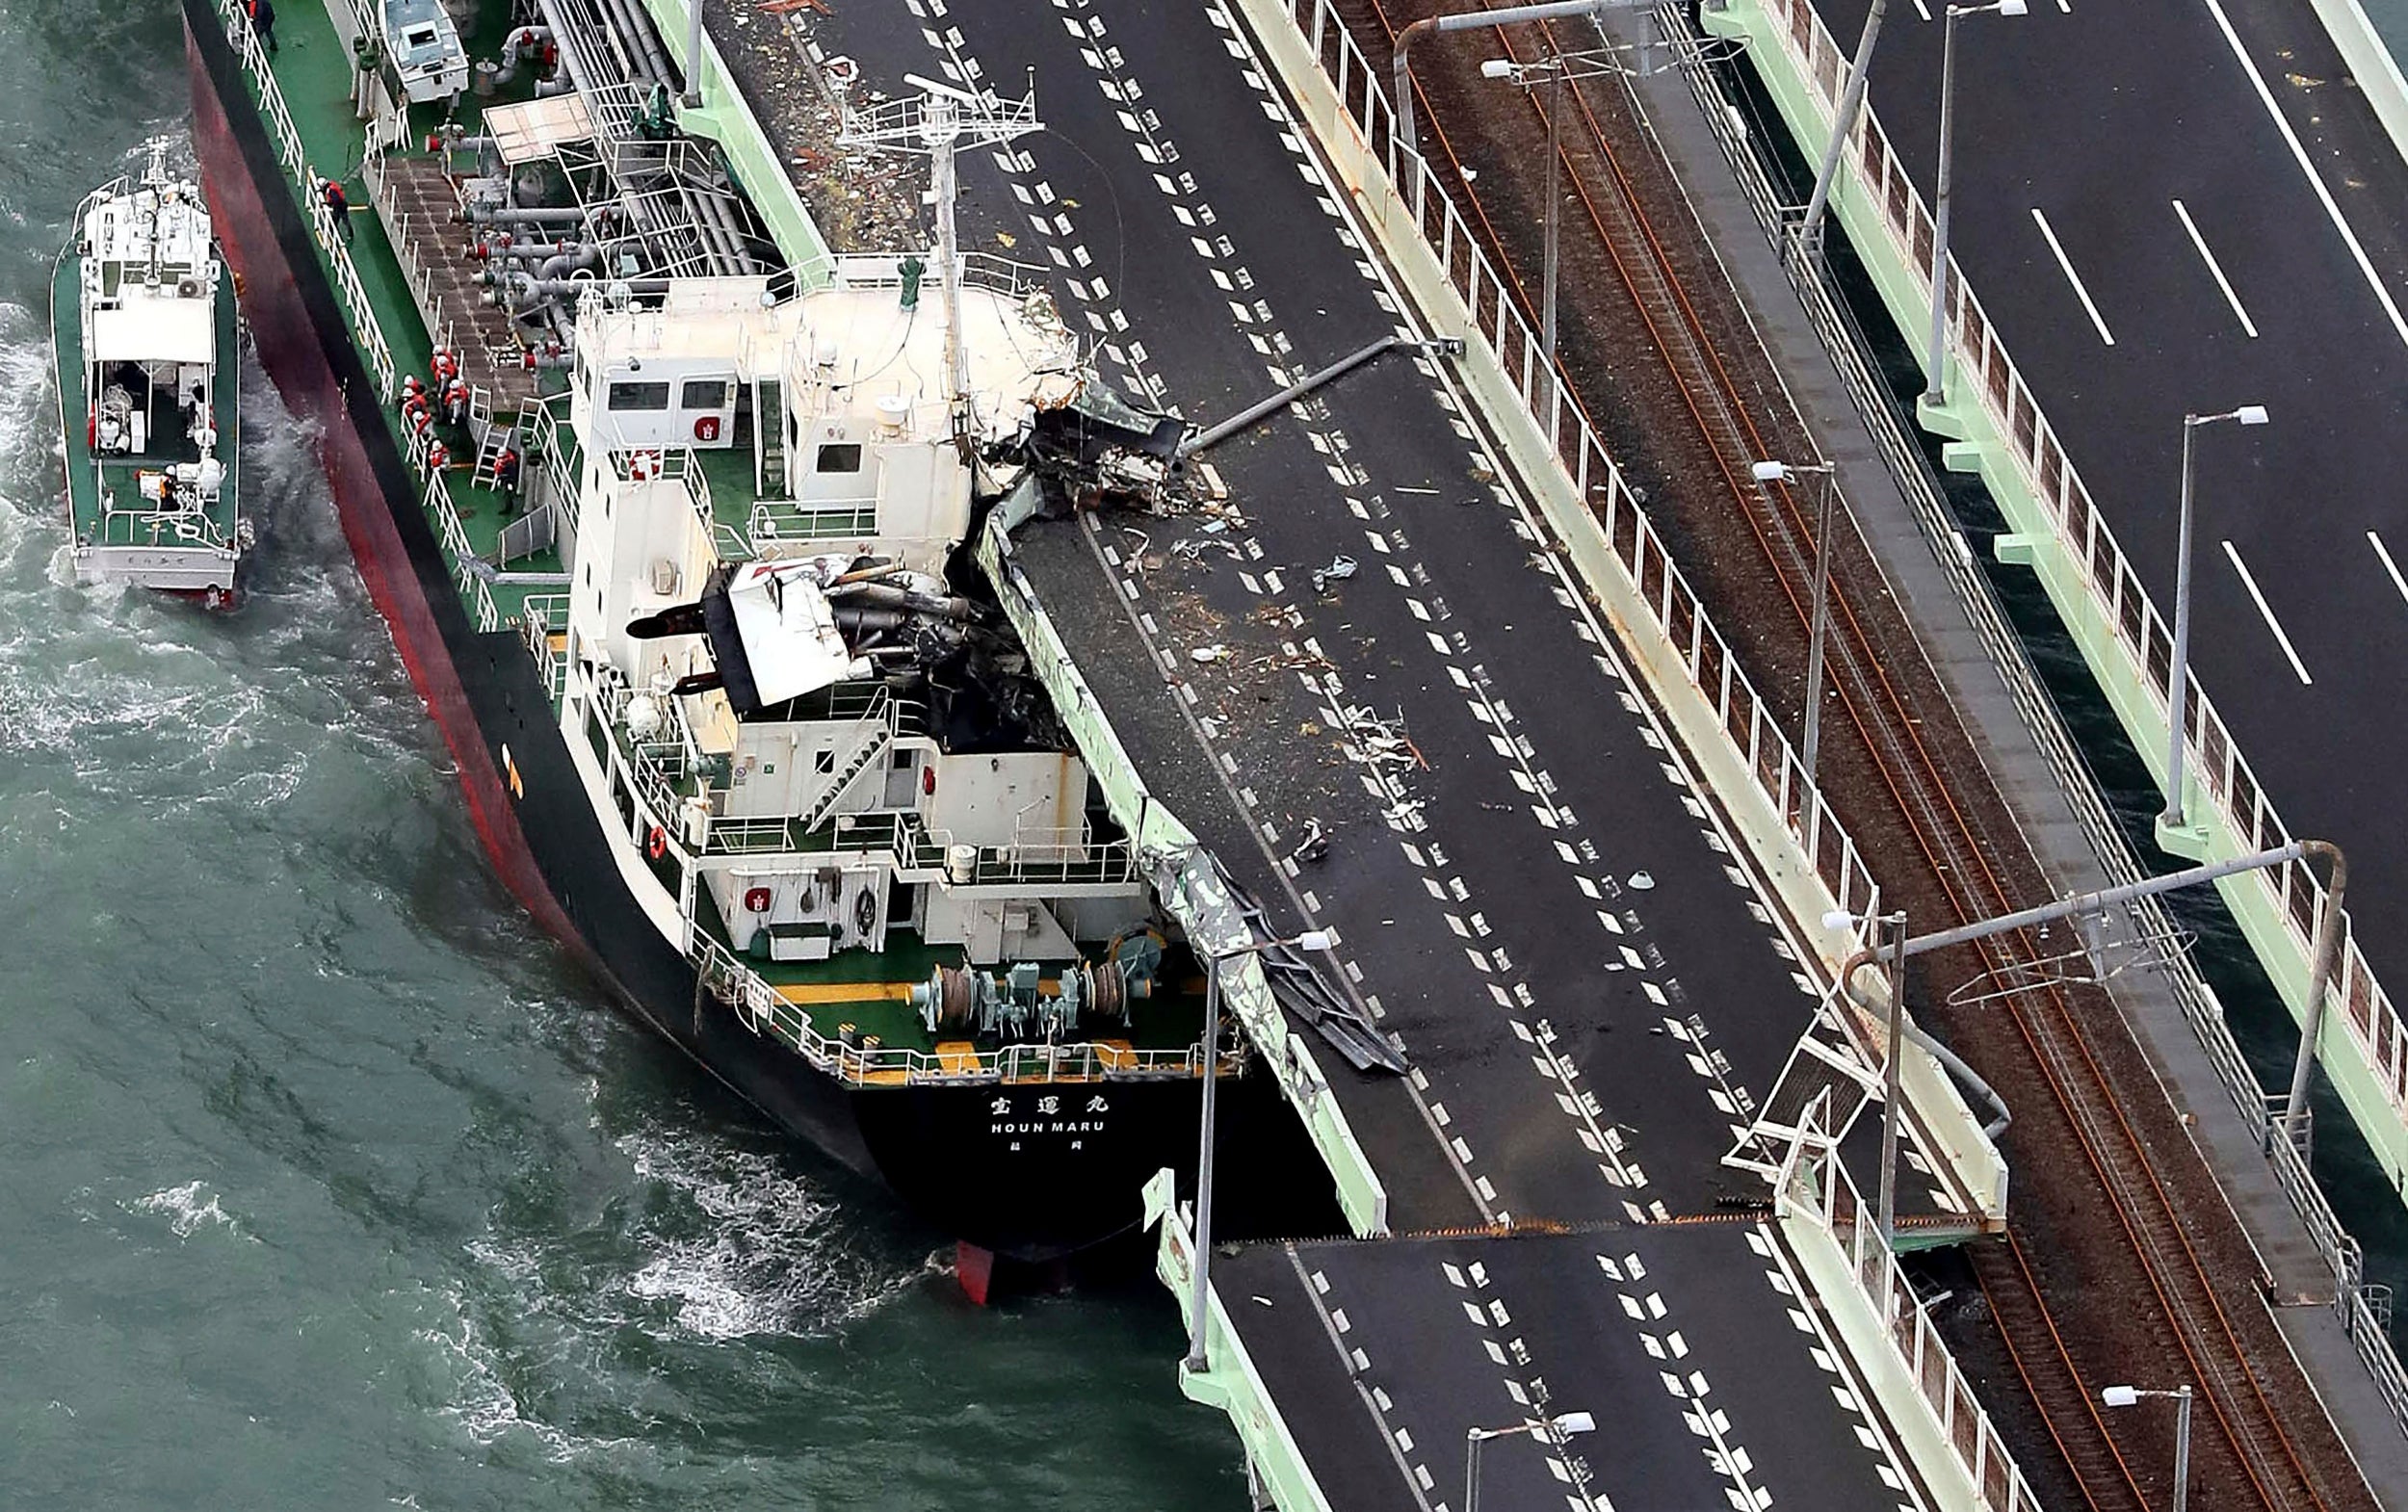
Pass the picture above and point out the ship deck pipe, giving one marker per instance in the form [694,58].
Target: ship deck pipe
[522,250]
[522,44]
[560,265]
[529,215]
[714,227]
[527,284]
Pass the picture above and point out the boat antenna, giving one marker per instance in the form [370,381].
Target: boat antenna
[940,121]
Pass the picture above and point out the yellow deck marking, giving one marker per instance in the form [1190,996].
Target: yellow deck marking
[810,992]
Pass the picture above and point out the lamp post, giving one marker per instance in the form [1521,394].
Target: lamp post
[1935,385]
[1199,1292]
[1810,742]
[2178,687]
[2130,1397]
[1472,1438]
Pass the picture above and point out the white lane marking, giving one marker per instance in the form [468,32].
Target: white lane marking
[1922,9]
[2389,565]
[2259,599]
[2324,196]
[2217,268]
[2071,277]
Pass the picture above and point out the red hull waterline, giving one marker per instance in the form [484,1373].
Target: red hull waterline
[289,350]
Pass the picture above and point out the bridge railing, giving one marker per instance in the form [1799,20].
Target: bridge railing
[1818,1206]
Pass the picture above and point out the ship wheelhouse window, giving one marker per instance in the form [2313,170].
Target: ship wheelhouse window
[838,458]
[703,394]
[638,396]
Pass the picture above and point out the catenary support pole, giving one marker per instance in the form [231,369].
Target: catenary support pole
[1810,743]
[2328,950]
[1851,100]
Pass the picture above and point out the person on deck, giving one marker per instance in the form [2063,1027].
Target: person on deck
[339,206]
[263,24]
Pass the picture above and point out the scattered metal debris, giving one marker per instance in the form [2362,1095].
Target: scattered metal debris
[1340,567]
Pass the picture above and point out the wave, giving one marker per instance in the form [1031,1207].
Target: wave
[188,1208]
[748,1246]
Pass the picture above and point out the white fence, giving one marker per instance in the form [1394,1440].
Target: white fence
[1815,1187]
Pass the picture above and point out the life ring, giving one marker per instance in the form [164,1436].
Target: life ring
[656,843]
[642,466]
[864,914]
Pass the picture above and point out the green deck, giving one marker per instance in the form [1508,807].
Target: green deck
[114,476]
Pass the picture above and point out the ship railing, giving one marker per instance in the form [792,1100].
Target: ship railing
[778,527]
[1035,857]
[763,1010]
[2088,548]
[375,351]
[475,592]
[175,529]
[541,617]
[979,271]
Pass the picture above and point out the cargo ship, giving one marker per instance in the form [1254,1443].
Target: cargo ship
[143,325]
[673,530]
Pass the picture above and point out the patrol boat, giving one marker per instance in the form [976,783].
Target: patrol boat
[145,319]
[670,527]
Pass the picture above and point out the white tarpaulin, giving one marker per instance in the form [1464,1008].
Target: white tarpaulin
[788,632]
[154,329]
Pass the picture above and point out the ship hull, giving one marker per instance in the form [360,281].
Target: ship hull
[996,1167]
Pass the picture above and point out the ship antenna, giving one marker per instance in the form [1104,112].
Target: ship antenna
[941,121]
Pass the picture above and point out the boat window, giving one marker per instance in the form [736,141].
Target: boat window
[638,396]
[704,394]
[839,458]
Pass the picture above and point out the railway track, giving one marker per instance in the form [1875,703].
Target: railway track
[2249,1446]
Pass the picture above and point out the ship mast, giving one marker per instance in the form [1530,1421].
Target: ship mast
[941,122]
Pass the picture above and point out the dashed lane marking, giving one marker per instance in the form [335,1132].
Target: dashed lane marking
[2065,264]
[2271,623]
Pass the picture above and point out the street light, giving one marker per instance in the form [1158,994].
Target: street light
[1555,70]
[1310,940]
[2130,1397]
[1569,1422]
[1935,391]
[1781,472]
[2179,686]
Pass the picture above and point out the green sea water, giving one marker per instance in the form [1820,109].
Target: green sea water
[327,1182]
